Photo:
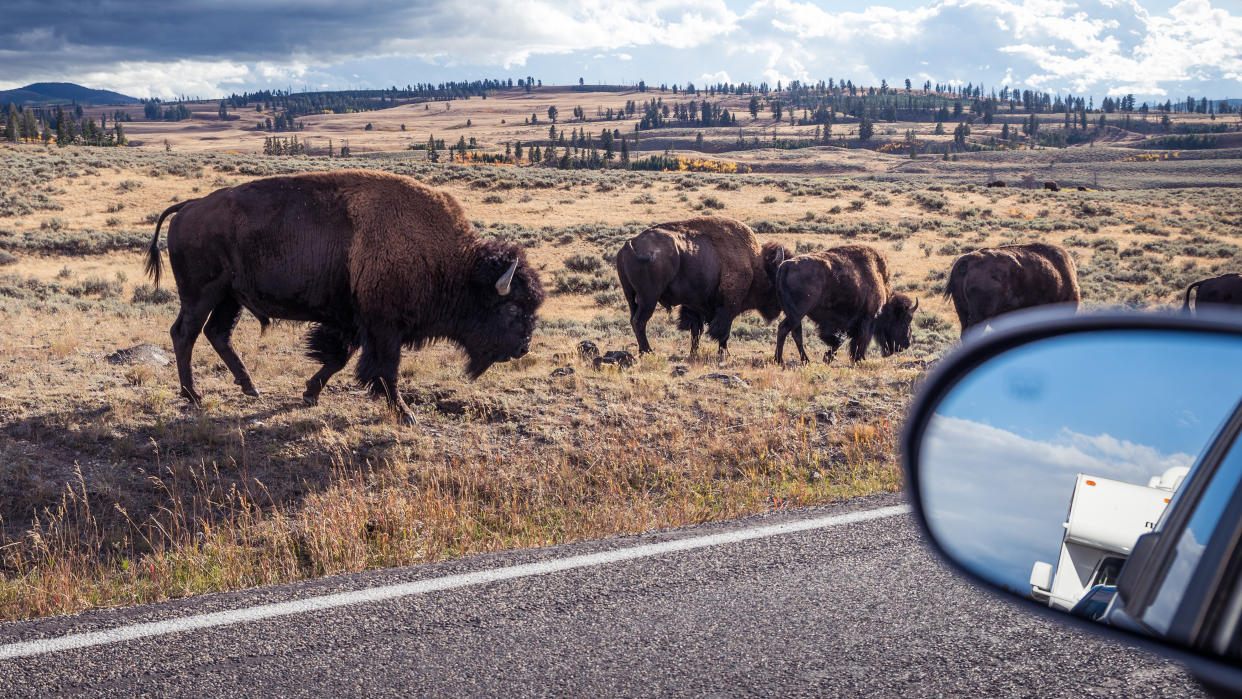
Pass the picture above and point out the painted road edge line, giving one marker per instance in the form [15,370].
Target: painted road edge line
[386,592]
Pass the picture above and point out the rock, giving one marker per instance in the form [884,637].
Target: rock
[726,379]
[587,349]
[562,371]
[141,354]
[826,417]
[680,370]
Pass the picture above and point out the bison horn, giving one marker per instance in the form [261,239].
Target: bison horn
[780,256]
[506,279]
[916,305]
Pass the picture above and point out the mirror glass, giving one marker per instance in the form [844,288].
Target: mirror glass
[1041,467]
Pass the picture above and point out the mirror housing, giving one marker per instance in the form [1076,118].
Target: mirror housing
[1019,330]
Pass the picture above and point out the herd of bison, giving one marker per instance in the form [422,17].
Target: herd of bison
[378,262]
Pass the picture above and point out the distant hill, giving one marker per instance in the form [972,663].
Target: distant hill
[39,94]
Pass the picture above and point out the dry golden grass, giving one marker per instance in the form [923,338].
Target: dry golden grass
[114,491]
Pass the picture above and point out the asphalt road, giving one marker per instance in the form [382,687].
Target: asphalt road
[857,608]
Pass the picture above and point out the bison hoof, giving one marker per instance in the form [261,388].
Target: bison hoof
[310,399]
[191,395]
[252,391]
[407,418]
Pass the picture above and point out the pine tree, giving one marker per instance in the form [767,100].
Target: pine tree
[865,129]
[30,128]
[625,153]
[11,128]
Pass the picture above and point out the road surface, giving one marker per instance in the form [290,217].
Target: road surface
[840,600]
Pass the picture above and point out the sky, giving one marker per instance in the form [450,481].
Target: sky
[1155,49]
[1000,458]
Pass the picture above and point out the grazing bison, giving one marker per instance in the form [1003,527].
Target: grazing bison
[1225,289]
[711,266]
[1052,186]
[998,183]
[376,261]
[988,282]
[845,291]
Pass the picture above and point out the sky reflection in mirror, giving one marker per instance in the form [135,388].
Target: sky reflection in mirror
[1000,457]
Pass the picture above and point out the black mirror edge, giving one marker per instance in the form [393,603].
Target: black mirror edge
[1016,329]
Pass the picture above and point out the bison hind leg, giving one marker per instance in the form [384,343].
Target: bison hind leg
[219,331]
[332,346]
[692,320]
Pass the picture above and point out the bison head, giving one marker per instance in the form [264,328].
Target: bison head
[893,324]
[505,294]
[774,254]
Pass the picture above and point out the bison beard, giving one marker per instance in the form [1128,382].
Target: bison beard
[376,262]
[845,291]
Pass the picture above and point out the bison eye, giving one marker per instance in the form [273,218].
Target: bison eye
[511,310]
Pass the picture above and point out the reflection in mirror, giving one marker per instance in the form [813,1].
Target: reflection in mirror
[1041,468]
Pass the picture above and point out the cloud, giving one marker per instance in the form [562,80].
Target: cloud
[997,500]
[1084,46]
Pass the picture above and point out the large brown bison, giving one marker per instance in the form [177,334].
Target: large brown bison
[376,261]
[845,290]
[988,282]
[1225,289]
[711,266]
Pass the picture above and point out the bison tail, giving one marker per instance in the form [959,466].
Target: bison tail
[645,259]
[1189,289]
[154,268]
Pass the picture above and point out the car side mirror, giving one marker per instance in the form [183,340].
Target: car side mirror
[1090,466]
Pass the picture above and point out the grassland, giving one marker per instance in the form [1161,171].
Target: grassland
[114,491]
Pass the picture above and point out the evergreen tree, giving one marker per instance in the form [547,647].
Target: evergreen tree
[11,128]
[120,134]
[224,110]
[30,129]
[625,153]
[552,113]
[865,129]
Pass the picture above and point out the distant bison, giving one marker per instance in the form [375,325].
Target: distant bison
[375,261]
[1052,186]
[845,290]
[711,266]
[998,183]
[1082,188]
[1225,289]
[991,281]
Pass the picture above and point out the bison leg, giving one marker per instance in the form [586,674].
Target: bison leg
[184,333]
[688,319]
[860,340]
[333,347]
[640,313]
[787,326]
[720,327]
[833,340]
[219,332]
[377,370]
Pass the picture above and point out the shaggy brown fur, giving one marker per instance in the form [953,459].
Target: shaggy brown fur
[378,261]
[710,266]
[988,282]
[1225,289]
[845,290]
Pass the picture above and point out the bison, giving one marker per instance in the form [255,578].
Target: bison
[845,290]
[711,266]
[1052,186]
[375,261]
[1225,289]
[997,183]
[988,282]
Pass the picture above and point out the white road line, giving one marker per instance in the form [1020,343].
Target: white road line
[374,594]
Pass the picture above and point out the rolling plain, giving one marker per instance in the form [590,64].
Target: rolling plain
[115,491]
